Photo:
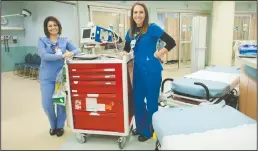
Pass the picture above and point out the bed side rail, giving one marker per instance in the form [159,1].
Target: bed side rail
[163,83]
[206,89]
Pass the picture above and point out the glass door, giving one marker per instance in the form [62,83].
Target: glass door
[241,27]
[253,27]
[242,30]
[186,38]
[106,17]
[170,23]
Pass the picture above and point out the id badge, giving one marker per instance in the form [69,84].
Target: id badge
[58,51]
[132,44]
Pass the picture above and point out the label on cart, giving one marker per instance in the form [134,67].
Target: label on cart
[78,105]
[91,108]
[107,83]
[74,90]
[75,95]
[93,95]
[101,107]
[109,69]
[91,101]
[76,76]
[95,107]
[91,104]
[94,113]
[111,76]
[75,82]
[73,69]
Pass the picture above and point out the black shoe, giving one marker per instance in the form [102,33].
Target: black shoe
[142,138]
[52,132]
[59,132]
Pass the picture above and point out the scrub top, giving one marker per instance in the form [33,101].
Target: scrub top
[145,48]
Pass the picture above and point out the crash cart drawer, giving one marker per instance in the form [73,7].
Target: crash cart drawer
[95,68]
[98,121]
[105,103]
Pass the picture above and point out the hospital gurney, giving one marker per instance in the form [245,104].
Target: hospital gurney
[203,127]
[209,86]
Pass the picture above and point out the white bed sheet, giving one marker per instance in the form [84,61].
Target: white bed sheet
[242,137]
[228,78]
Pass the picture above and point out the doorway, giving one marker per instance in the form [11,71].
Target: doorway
[244,29]
[170,23]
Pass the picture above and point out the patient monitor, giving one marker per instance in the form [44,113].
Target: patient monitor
[93,35]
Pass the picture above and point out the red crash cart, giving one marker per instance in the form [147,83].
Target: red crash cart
[100,96]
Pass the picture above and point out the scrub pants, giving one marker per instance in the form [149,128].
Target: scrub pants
[56,120]
[145,85]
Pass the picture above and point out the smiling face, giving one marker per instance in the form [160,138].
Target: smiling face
[52,28]
[138,15]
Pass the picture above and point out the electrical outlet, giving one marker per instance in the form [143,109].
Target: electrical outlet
[15,39]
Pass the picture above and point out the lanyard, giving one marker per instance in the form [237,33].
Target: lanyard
[140,34]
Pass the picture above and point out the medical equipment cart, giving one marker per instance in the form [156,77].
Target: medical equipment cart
[100,96]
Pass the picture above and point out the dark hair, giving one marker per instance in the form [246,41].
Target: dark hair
[51,18]
[145,22]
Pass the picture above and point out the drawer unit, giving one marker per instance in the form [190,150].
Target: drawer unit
[97,96]
[98,121]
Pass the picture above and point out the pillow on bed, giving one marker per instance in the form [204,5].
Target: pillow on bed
[238,138]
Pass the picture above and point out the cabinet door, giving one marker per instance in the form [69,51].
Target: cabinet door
[243,90]
[251,101]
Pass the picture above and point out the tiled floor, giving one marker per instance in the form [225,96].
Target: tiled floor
[25,126]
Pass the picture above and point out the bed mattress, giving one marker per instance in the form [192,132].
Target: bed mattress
[219,80]
[187,120]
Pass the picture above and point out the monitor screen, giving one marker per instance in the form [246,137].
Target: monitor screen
[86,33]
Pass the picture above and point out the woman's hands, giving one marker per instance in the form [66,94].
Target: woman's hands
[160,53]
[122,54]
[68,54]
[157,54]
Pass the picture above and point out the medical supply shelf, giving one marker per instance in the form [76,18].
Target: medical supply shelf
[100,97]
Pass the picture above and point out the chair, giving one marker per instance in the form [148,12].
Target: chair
[29,65]
[18,67]
[34,70]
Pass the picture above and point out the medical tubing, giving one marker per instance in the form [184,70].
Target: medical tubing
[206,89]
[7,45]
[163,83]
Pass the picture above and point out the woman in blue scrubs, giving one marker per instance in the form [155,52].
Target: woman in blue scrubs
[142,39]
[53,49]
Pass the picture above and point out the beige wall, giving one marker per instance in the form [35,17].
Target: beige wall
[222,34]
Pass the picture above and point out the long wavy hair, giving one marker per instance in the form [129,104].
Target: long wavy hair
[145,22]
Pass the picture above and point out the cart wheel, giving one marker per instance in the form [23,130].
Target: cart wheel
[122,142]
[81,138]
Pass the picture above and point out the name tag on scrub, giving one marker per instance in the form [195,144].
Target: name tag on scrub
[58,51]
[132,44]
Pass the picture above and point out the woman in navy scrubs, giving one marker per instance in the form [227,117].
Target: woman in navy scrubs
[142,39]
[53,49]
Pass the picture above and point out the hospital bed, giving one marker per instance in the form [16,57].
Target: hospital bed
[211,127]
[244,49]
[208,86]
